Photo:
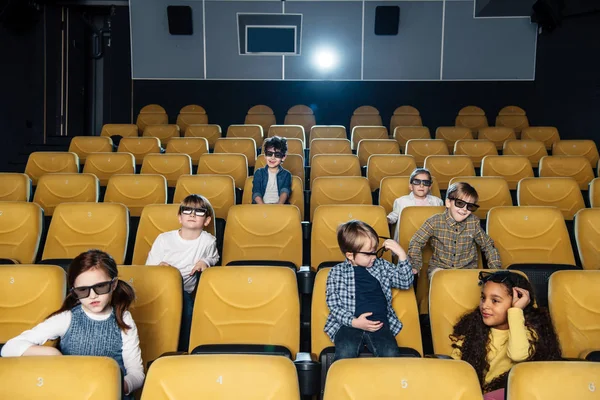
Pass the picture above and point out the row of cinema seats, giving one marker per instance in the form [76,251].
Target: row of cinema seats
[471,117]
[531,238]
[377,166]
[256,377]
[269,322]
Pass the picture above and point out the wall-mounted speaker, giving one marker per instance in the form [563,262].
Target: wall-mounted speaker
[180,20]
[387,19]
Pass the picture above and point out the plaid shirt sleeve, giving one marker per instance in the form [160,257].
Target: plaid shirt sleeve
[338,306]
[401,275]
[487,246]
[417,242]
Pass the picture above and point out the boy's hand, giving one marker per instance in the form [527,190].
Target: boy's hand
[395,248]
[415,271]
[520,302]
[164,264]
[366,325]
[200,266]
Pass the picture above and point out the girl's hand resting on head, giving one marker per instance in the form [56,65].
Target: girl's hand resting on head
[395,248]
[522,301]
[366,325]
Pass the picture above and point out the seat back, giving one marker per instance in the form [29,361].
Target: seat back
[361,132]
[288,131]
[546,134]
[444,168]
[365,116]
[587,236]
[152,114]
[301,115]
[296,197]
[530,235]
[261,115]
[405,116]
[163,132]
[263,232]
[493,192]
[586,148]
[511,168]
[403,303]
[191,115]
[378,378]
[78,227]
[334,165]
[67,378]
[247,305]
[234,165]
[420,149]
[453,293]
[171,166]
[532,149]
[562,193]
[576,167]
[512,117]
[380,166]
[192,146]
[293,163]
[210,132]
[329,146]
[47,162]
[54,189]
[553,379]
[218,189]
[475,150]
[594,193]
[21,230]
[403,134]
[367,147]
[157,307]
[573,302]
[327,132]
[339,190]
[393,187]
[252,131]
[451,134]
[14,187]
[105,165]
[295,146]
[497,135]
[326,219]
[471,117]
[139,147]
[222,376]
[136,191]
[245,146]
[410,221]
[29,294]
[123,130]
[84,145]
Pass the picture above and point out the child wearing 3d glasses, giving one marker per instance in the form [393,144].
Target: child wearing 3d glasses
[420,187]
[273,183]
[190,249]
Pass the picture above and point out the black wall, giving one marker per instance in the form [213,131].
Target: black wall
[565,94]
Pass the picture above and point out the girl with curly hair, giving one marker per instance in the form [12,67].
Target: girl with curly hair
[506,328]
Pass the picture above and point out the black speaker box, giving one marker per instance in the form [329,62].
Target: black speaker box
[387,19]
[180,20]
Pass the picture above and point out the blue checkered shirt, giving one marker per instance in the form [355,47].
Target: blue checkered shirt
[341,292]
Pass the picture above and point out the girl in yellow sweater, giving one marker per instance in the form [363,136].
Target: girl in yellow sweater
[505,329]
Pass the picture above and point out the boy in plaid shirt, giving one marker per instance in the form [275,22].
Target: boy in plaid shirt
[454,234]
[359,293]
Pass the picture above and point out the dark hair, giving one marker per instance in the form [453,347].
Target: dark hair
[352,235]
[122,296]
[462,190]
[475,335]
[197,201]
[277,143]
[419,171]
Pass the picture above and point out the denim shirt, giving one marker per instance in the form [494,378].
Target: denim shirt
[261,177]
